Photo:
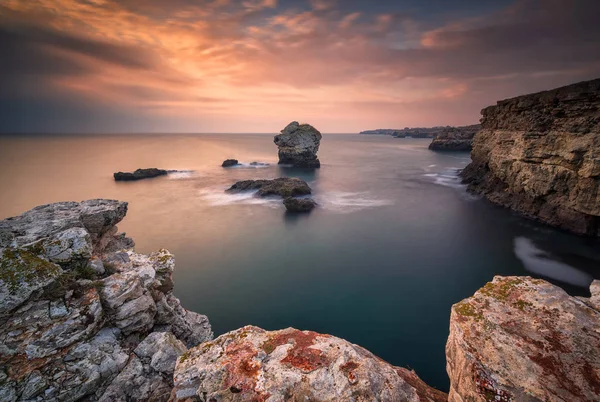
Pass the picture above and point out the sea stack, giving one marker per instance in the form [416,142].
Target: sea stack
[298,145]
[539,154]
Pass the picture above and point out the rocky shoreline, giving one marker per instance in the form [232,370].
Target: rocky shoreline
[85,317]
[539,155]
[455,138]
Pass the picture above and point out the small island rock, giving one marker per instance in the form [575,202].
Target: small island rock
[293,204]
[298,145]
[230,162]
[140,174]
[283,187]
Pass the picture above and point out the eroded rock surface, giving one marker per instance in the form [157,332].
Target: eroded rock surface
[298,145]
[82,316]
[455,138]
[523,339]
[251,364]
[229,162]
[539,154]
[300,205]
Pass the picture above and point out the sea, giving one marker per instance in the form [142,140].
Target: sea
[395,241]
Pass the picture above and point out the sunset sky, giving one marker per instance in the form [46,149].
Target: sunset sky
[255,65]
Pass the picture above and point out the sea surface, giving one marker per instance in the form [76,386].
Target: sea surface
[395,241]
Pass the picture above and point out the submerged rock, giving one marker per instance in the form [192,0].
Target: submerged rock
[140,174]
[230,162]
[539,154]
[298,145]
[283,187]
[293,204]
[251,364]
[82,316]
[523,339]
[455,138]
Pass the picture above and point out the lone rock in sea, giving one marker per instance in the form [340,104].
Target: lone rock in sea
[298,145]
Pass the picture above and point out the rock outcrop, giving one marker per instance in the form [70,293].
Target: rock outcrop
[251,364]
[455,138]
[298,145]
[523,339]
[299,205]
[82,316]
[140,174]
[539,154]
[283,187]
[229,162]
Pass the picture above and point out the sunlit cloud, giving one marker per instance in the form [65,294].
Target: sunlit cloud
[253,65]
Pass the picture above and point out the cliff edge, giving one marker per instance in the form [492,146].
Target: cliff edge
[539,154]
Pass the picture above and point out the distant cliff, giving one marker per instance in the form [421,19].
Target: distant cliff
[415,132]
[455,138]
[539,154]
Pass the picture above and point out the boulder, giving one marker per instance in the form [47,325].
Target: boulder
[298,145]
[230,162]
[140,174]
[293,204]
[283,187]
[524,339]
[251,364]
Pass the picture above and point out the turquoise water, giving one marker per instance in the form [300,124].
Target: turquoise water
[395,241]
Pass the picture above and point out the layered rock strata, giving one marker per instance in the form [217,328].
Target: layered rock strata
[298,145]
[523,339]
[82,315]
[539,154]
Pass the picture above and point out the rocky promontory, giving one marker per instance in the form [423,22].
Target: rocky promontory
[523,339]
[251,364]
[298,145]
[82,315]
[455,138]
[539,154]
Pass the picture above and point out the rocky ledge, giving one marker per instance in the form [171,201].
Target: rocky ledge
[82,315]
[455,138]
[286,187]
[539,154]
[251,364]
[523,339]
[298,145]
[140,174]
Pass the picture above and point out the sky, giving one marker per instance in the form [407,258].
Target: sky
[220,66]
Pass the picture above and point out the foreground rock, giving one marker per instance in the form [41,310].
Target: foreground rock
[251,364]
[539,154]
[230,162]
[140,174]
[523,339]
[82,316]
[283,187]
[455,138]
[299,205]
[298,145]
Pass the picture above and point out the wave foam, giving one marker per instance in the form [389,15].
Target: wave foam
[448,178]
[343,202]
[540,262]
[181,174]
[217,197]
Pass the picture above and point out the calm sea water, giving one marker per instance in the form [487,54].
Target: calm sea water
[395,242]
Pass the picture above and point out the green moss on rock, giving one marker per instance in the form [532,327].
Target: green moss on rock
[19,266]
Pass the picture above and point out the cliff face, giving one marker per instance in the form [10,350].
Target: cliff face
[455,138]
[539,154]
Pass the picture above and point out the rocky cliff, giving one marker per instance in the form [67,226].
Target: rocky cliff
[523,339]
[455,138]
[298,145]
[83,316]
[539,154]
